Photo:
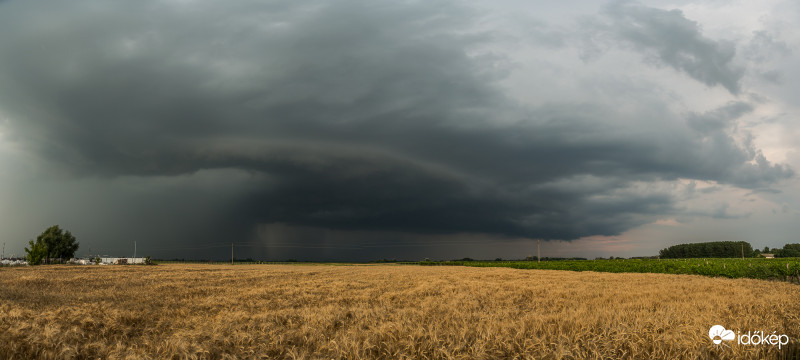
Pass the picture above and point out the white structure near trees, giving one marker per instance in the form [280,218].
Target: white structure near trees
[120,261]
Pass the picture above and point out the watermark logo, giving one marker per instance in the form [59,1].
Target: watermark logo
[718,334]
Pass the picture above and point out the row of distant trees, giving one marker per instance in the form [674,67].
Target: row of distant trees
[724,249]
[716,249]
[53,245]
[789,250]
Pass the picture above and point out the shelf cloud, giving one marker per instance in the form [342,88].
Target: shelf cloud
[363,116]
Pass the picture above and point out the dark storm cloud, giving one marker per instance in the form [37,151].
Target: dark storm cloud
[746,165]
[357,116]
[669,38]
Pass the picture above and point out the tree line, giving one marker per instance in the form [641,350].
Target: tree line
[789,250]
[724,249]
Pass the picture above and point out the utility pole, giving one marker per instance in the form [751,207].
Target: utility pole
[538,250]
[134,250]
[742,250]
[4,251]
[231,252]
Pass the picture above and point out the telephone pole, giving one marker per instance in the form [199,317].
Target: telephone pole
[742,250]
[231,252]
[134,250]
[538,250]
[4,251]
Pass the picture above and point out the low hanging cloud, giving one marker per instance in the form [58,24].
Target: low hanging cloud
[358,115]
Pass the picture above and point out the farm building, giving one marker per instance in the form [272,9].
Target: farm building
[121,261]
[11,262]
[768,256]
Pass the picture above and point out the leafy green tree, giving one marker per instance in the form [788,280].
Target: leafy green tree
[36,253]
[57,244]
[789,250]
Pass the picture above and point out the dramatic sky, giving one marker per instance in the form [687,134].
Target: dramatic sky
[359,130]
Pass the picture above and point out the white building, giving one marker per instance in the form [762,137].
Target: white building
[13,262]
[118,261]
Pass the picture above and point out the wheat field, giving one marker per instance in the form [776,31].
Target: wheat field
[381,312]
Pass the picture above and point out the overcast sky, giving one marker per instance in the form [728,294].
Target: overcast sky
[359,130]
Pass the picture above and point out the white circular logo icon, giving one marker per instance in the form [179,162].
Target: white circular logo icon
[717,333]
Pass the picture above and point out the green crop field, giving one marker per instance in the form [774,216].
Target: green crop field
[787,269]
